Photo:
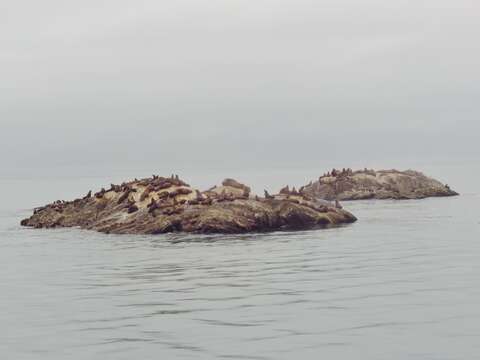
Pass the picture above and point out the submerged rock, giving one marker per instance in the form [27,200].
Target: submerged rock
[370,184]
[162,205]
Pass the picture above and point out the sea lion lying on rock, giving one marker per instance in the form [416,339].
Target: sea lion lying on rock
[188,210]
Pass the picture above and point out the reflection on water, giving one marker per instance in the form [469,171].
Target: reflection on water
[401,283]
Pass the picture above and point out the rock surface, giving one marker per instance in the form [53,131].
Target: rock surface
[162,205]
[369,184]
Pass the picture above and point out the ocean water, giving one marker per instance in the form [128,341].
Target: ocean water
[401,283]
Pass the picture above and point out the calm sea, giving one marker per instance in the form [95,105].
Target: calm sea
[401,283]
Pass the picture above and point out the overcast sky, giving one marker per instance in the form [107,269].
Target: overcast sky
[102,84]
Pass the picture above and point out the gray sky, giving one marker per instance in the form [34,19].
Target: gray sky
[237,84]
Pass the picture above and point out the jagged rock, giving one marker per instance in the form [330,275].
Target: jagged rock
[133,210]
[230,188]
[371,184]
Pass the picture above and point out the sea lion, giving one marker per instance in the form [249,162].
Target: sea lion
[164,185]
[337,204]
[146,193]
[173,194]
[100,194]
[129,202]
[89,195]
[267,195]
[152,206]
[132,208]
[124,196]
[39,209]
[152,203]
[163,195]
[207,201]
[184,191]
[169,211]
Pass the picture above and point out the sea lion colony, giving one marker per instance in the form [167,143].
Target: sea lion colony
[347,184]
[160,205]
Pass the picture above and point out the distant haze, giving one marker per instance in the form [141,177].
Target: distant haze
[237,84]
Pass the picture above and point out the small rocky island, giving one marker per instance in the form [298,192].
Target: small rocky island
[370,184]
[161,205]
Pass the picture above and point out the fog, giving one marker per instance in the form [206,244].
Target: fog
[201,86]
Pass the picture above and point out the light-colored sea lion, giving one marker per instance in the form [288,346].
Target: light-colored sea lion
[337,204]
